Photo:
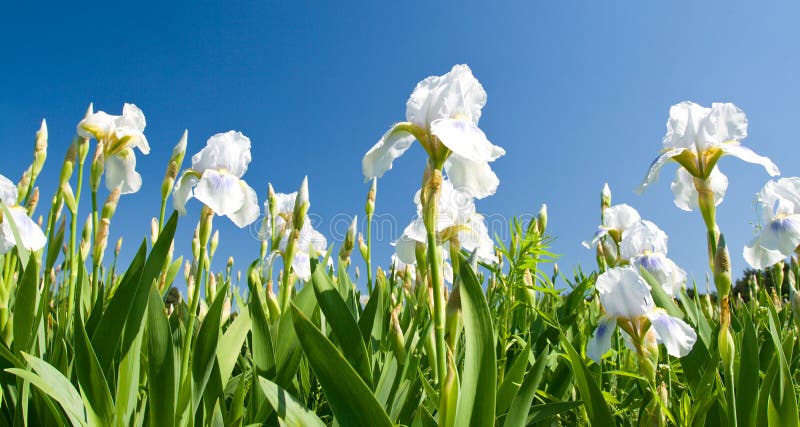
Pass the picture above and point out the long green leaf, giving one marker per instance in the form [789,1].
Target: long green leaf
[351,400]
[230,345]
[476,399]
[205,348]
[290,411]
[92,380]
[521,405]
[596,406]
[342,322]
[54,384]
[263,352]
[25,306]
[747,380]
[512,380]
[161,378]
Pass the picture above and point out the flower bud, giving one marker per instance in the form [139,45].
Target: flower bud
[722,269]
[396,338]
[605,197]
[541,219]
[349,240]
[153,230]
[97,167]
[214,243]
[727,347]
[110,206]
[69,198]
[777,276]
[371,195]
[33,201]
[196,242]
[24,184]
[101,241]
[272,200]
[206,218]
[362,247]
[118,248]
[429,196]
[86,236]
[179,151]
[301,205]
[452,310]
[169,179]
[69,164]
[40,149]
[226,310]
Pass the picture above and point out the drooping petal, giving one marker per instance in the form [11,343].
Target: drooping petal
[134,116]
[405,248]
[473,178]
[624,293]
[686,193]
[311,239]
[121,172]
[643,237]
[380,157]
[131,125]
[777,240]
[32,236]
[601,340]
[748,155]
[8,191]
[301,265]
[183,191]
[465,139]
[457,93]
[229,151]
[220,191]
[599,234]
[674,333]
[655,168]
[249,211]
[474,236]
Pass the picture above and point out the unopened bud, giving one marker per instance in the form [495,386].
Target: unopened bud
[214,243]
[118,248]
[196,242]
[153,230]
[301,205]
[69,164]
[69,198]
[33,201]
[206,218]
[86,236]
[272,200]
[169,179]
[722,269]
[541,219]
[362,247]
[40,149]
[23,185]
[226,310]
[349,240]
[396,338]
[101,241]
[179,151]
[727,348]
[605,197]
[110,206]
[97,167]
[371,195]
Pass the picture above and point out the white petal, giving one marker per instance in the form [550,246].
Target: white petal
[380,157]
[99,125]
[725,122]
[601,340]
[620,217]
[32,236]
[134,116]
[475,179]
[465,139]
[624,293]
[220,191]
[655,168]
[685,192]
[748,155]
[229,151]
[405,248]
[301,265]
[183,191]
[457,93]
[121,172]
[664,270]
[447,272]
[8,191]
[777,240]
[249,211]
[643,237]
[601,231]
[684,126]
[674,333]
[311,239]
[475,236]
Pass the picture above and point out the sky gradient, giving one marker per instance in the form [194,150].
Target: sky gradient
[578,95]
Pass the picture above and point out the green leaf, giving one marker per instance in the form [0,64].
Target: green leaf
[351,400]
[476,399]
[661,298]
[54,384]
[367,319]
[161,381]
[123,316]
[287,347]
[128,381]
[230,345]
[596,406]
[521,405]
[25,306]
[342,322]
[263,350]
[92,380]
[748,367]
[545,411]
[205,348]
[290,411]
[512,380]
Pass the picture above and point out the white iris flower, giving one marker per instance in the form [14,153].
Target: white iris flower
[626,299]
[119,136]
[698,136]
[446,109]
[215,179]
[779,203]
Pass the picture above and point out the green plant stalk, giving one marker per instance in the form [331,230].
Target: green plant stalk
[194,303]
[73,261]
[369,254]
[435,260]
[284,293]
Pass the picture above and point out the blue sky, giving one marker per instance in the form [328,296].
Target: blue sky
[579,94]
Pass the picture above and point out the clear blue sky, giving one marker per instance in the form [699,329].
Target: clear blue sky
[578,94]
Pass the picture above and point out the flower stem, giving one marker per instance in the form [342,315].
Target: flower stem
[205,225]
[73,260]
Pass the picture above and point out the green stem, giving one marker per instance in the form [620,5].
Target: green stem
[435,261]
[195,301]
[73,256]
[369,255]
[284,293]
